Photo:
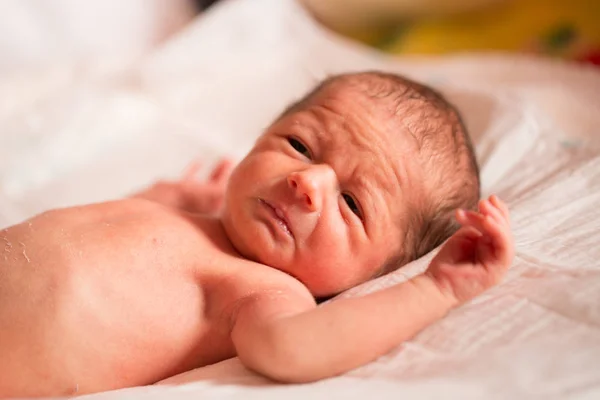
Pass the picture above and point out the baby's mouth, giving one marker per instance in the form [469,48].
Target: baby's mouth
[279,216]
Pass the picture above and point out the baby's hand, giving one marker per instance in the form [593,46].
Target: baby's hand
[205,197]
[190,194]
[477,256]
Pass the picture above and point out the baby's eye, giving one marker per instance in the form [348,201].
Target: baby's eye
[352,205]
[299,147]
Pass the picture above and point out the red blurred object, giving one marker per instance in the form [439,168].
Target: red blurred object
[592,57]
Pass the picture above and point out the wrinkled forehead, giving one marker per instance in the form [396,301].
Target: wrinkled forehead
[363,129]
[366,118]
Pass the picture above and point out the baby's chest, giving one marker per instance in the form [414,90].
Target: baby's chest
[163,313]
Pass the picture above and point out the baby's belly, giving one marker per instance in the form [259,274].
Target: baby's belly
[94,309]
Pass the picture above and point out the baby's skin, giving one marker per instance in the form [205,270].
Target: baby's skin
[189,273]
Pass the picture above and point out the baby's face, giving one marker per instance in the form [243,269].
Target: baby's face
[321,194]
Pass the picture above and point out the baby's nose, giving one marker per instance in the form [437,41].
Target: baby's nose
[311,185]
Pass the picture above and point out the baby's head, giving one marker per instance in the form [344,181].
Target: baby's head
[356,179]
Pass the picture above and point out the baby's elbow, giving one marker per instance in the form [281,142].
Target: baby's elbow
[280,360]
[283,369]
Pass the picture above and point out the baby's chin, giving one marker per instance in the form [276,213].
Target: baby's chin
[256,247]
[322,285]
[276,260]
[252,245]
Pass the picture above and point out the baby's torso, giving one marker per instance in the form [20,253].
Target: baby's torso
[119,293]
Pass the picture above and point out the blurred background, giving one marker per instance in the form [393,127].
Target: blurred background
[35,31]
[94,92]
[567,29]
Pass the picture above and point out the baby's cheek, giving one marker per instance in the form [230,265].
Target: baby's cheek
[262,167]
[332,264]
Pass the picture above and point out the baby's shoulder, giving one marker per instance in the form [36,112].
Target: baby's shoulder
[247,277]
[249,281]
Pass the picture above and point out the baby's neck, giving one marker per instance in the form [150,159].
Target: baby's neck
[213,229]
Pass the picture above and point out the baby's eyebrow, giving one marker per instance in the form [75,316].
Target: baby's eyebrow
[368,199]
[384,190]
[316,130]
[317,123]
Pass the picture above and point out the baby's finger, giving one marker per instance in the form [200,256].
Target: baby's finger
[500,239]
[469,232]
[191,170]
[487,208]
[495,200]
[222,171]
[470,218]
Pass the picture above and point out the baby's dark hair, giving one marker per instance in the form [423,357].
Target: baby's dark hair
[445,153]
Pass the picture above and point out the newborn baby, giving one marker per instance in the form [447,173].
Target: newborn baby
[366,173]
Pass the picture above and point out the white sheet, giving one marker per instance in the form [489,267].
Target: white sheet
[98,31]
[69,135]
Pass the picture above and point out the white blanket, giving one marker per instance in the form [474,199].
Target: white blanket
[71,134]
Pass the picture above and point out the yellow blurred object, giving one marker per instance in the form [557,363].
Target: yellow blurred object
[530,25]
[372,20]
[565,28]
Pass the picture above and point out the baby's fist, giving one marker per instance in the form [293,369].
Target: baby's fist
[477,256]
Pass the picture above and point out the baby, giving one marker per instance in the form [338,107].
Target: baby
[367,172]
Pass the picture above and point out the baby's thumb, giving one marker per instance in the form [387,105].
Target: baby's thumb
[222,171]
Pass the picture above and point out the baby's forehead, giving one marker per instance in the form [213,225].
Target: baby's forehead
[387,121]
[355,104]
[345,116]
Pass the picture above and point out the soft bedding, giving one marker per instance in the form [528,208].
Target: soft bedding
[70,135]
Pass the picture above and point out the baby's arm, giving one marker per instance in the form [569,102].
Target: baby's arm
[188,193]
[276,340]
[291,340]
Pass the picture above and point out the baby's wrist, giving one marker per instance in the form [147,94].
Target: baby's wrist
[433,287]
